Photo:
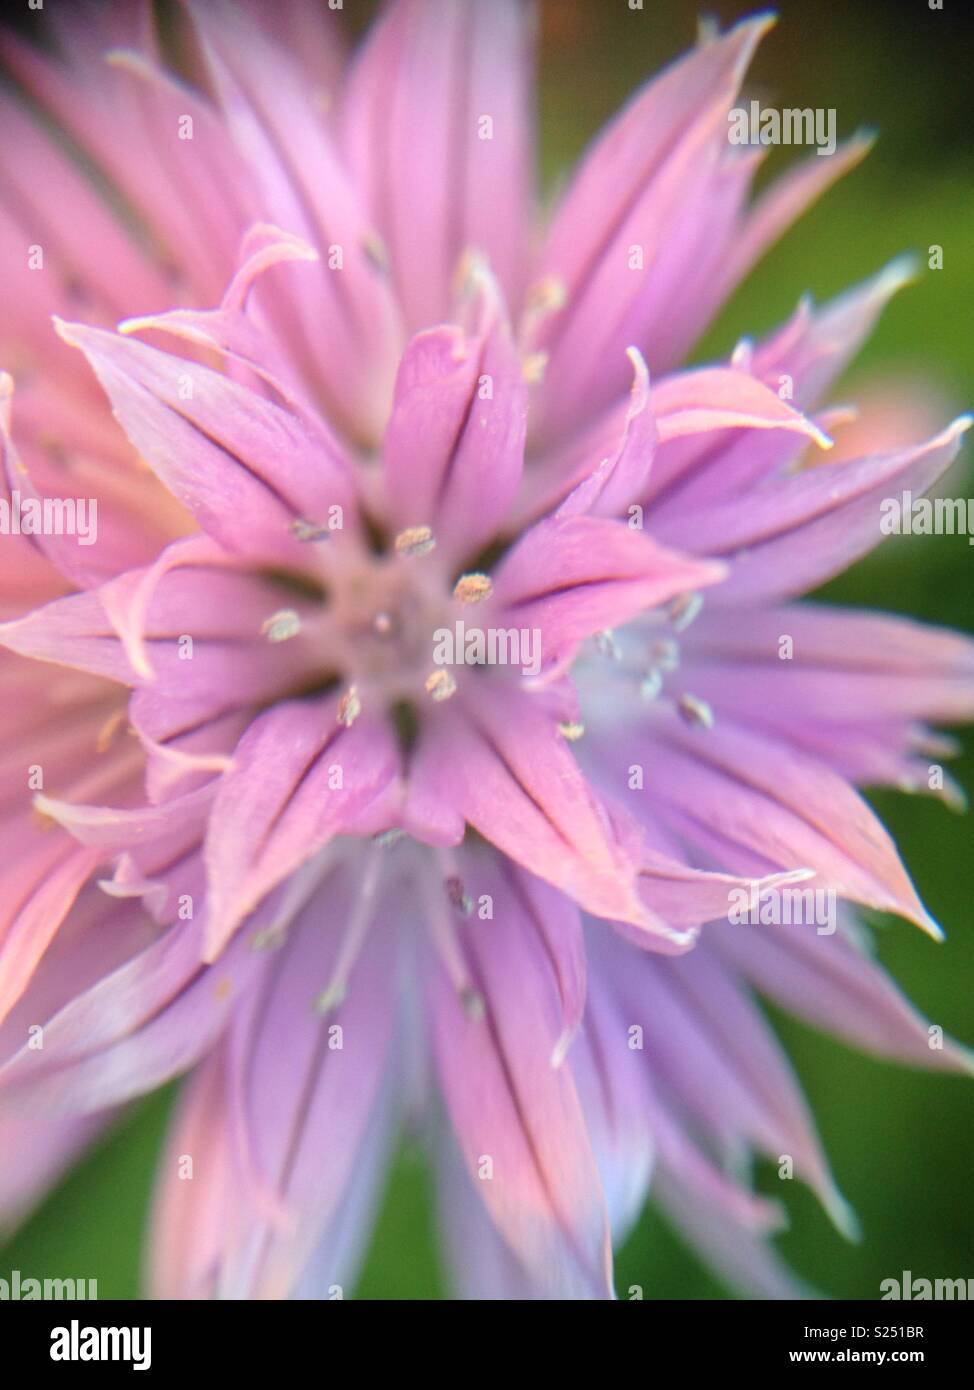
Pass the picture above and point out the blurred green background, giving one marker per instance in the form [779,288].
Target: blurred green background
[901,1142]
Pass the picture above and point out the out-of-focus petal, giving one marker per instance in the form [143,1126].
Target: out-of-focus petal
[348,329]
[853,687]
[35,1154]
[518,1120]
[629,192]
[830,982]
[437,115]
[308,1091]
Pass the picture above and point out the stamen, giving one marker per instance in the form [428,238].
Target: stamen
[684,609]
[666,654]
[306,530]
[473,1003]
[300,887]
[469,265]
[383,624]
[695,712]
[533,367]
[349,707]
[331,998]
[440,685]
[651,685]
[447,942]
[281,625]
[415,540]
[546,296]
[473,588]
[375,249]
[348,952]
[573,732]
[608,646]
[385,839]
[458,895]
[109,729]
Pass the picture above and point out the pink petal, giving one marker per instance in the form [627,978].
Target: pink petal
[191,1208]
[795,532]
[831,983]
[246,468]
[281,802]
[509,1105]
[347,328]
[136,1028]
[629,190]
[305,1108]
[413,118]
[570,577]
[761,793]
[453,449]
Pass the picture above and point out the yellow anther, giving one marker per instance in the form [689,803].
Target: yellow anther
[415,540]
[440,684]
[473,588]
[349,707]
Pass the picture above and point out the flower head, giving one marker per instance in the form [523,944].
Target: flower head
[423,697]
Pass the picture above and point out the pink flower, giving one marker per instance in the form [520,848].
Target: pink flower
[398,579]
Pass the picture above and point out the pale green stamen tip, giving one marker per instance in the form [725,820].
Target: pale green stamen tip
[281,625]
[329,999]
[695,712]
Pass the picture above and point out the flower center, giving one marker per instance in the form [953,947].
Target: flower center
[384,615]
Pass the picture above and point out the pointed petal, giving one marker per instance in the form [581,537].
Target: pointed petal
[437,114]
[510,1106]
[453,449]
[795,532]
[347,328]
[793,810]
[831,983]
[305,1092]
[299,778]
[246,468]
[657,157]
[784,202]
[804,358]
[137,1027]
[570,577]
[621,478]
